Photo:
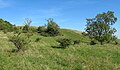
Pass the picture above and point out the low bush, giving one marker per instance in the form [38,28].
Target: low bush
[19,41]
[33,29]
[41,29]
[53,28]
[64,42]
[93,42]
[37,39]
[16,29]
[25,29]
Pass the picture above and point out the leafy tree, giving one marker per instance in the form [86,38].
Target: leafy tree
[99,28]
[52,28]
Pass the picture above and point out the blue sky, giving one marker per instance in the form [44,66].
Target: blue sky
[67,13]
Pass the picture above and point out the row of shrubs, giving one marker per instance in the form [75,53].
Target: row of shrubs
[20,40]
[51,29]
[21,36]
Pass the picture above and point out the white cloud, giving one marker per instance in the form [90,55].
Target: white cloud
[4,3]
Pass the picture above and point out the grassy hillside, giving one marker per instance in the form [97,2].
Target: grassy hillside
[41,56]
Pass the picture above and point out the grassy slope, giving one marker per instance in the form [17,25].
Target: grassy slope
[41,56]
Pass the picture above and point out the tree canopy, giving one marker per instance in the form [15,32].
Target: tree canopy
[99,28]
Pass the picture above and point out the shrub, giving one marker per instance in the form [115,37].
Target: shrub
[28,35]
[25,29]
[76,42]
[37,39]
[116,42]
[27,23]
[52,28]
[41,29]
[93,42]
[19,41]
[64,42]
[33,29]
[16,29]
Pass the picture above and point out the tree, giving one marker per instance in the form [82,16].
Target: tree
[52,28]
[99,28]
[27,23]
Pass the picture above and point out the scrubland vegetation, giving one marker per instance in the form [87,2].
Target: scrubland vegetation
[53,48]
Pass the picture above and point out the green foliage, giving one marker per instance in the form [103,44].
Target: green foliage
[33,29]
[52,28]
[93,42]
[16,29]
[5,26]
[25,28]
[114,39]
[99,28]
[64,42]
[19,41]
[38,39]
[41,29]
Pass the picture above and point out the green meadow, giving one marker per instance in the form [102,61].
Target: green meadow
[41,56]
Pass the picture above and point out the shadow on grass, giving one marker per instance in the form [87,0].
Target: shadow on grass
[59,47]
